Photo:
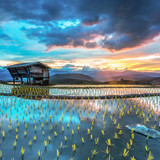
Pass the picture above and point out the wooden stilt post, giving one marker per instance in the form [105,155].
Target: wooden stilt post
[21,80]
[29,80]
[13,80]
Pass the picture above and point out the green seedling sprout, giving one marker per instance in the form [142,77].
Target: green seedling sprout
[3,134]
[22,152]
[83,140]
[30,143]
[34,138]
[109,142]
[150,156]
[125,153]
[132,158]
[62,129]
[16,137]
[14,144]
[115,136]
[88,131]
[67,125]
[65,138]
[39,155]
[102,131]
[120,132]
[1,155]
[49,138]
[55,134]
[94,153]
[96,140]
[25,134]
[78,128]
[146,149]
[35,129]
[10,128]
[57,154]
[45,144]
[128,146]
[131,142]
[74,148]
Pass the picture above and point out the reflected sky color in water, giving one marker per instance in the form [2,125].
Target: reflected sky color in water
[153,102]
[90,91]
[17,108]
[102,91]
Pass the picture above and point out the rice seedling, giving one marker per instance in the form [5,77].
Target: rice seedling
[96,140]
[91,136]
[88,131]
[118,126]
[25,134]
[30,143]
[132,158]
[83,140]
[55,134]
[74,148]
[62,129]
[72,132]
[116,136]
[22,152]
[146,148]
[10,128]
[57,154]
[39,155]
[128,146]
[125,153]
[49,138]
[1,155]
[65,138]
[102,131]
[106,152]
[150,156]
[45,144]
[34,138]
[14,144]
[94,153]
[16,137]
[109,142]
[3,134]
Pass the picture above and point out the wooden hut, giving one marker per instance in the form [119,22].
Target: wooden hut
[35,73]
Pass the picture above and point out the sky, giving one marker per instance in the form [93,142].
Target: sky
[94,34]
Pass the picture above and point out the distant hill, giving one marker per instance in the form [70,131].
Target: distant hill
[127,75]
[154,81]
[70,78]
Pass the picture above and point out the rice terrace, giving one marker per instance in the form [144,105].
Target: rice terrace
[33,127]
[79,79]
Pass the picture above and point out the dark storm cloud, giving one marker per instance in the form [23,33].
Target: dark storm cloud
[123,23]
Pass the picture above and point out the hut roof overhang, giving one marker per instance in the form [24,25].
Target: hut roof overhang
[27,65]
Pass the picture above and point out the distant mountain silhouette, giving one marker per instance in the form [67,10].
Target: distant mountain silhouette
[95,76]
[60,78]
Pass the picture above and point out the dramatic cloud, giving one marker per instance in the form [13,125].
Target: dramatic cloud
[120,23]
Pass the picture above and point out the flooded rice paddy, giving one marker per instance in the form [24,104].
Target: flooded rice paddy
[79,129]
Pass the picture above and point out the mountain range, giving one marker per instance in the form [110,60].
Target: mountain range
[60,76]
